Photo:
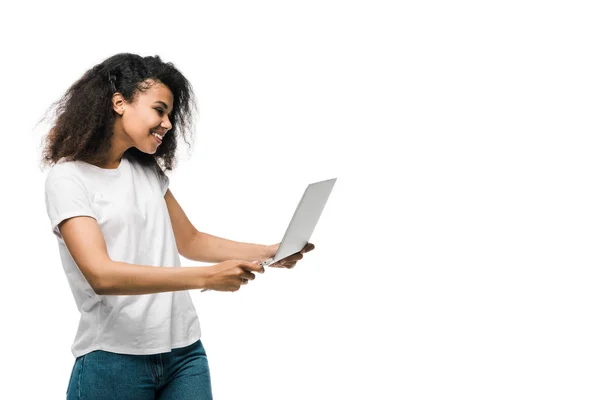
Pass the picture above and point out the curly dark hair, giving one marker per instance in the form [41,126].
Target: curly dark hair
[85,117]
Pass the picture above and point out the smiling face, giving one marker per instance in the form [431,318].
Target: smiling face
[145,120]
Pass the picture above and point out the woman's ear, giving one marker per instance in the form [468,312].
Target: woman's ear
[118,103]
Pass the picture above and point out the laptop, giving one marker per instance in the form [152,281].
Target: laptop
[304,220]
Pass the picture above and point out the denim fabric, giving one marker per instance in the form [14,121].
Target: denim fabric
[180,374]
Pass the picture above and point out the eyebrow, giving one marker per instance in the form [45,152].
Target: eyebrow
[163,104]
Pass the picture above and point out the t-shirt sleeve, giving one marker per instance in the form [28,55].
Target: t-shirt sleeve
[65,197]
[164,183]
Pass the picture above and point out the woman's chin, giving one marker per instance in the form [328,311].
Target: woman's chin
[147,150]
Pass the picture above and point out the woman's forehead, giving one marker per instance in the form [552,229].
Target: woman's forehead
[158,92]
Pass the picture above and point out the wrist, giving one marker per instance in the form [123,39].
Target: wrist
[204,275]
[270,251]
[266,252]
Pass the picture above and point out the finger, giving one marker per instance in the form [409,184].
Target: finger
[249,276]
[283,264]
[308,247]
[251,266]
[290,265]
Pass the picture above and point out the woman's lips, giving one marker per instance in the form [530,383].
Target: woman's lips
[156,136]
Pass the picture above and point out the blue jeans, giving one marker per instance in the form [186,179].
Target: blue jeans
[180,374]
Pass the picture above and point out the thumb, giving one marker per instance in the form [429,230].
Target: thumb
[255,263]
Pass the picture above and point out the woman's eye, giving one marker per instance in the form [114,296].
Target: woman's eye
[160,111]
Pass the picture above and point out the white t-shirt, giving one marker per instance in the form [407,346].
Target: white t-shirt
[128,204]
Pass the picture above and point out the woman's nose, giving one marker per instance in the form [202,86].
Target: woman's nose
[167,123]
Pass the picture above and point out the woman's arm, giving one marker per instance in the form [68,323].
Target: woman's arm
[200,246]
[208,248]
[85,243]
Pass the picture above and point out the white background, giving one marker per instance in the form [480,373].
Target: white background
[457,257]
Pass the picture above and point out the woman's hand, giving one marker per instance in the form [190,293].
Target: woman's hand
[289,261]
[230,275]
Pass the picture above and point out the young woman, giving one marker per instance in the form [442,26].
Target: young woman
[120,232]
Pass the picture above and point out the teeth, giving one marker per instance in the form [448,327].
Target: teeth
[157,135]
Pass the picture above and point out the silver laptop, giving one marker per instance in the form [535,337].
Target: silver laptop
[304,220]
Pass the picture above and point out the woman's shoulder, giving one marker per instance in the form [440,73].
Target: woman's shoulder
[65,166]
[66,169]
